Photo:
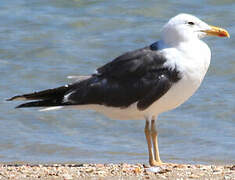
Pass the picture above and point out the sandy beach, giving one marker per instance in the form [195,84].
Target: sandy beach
[115,171]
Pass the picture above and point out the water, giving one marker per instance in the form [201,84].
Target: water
[42,42]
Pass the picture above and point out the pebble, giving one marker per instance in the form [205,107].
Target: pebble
[67,176]
[232,168]
[119,171]
[153,169]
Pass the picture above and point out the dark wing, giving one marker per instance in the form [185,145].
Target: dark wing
[158,90]
[133,64]
[137,76]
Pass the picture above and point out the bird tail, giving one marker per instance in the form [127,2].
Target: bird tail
[46,98]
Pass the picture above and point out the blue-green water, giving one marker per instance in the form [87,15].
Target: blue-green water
[42,42]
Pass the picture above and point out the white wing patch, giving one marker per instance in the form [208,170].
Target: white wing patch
[78,78]
[51,108]
[66,97]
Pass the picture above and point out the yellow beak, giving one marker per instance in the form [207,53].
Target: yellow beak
[217,31]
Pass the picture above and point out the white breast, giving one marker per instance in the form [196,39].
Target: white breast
[193,64]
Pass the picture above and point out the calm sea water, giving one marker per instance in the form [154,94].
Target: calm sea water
[42,42]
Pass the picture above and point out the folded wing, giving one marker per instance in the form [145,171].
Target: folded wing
[138,76]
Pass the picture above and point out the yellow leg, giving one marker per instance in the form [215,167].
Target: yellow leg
[148,138]
[150,133]
[154,135]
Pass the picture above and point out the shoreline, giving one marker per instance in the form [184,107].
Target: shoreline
[116,171]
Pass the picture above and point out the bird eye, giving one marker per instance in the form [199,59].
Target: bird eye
[191,23]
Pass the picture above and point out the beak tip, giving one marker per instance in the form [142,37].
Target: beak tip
[225,33]
[216,31]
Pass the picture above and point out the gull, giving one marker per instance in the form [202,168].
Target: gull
[143,83]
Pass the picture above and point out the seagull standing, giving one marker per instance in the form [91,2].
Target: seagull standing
[143,83]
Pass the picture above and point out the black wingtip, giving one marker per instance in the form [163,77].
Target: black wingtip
[9,99]
[40,103]
[20,106]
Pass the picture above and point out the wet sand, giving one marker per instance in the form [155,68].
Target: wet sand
[116,171]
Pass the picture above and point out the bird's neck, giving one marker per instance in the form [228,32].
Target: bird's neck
[181,44]
[174,39]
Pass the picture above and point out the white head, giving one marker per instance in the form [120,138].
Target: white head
[186,27]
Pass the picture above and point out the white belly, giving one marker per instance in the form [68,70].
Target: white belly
[177,95]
